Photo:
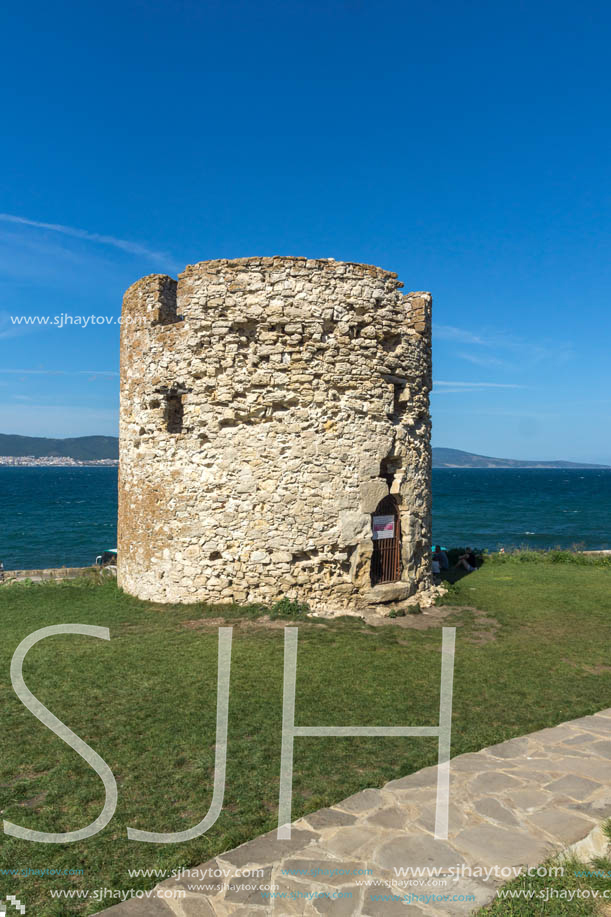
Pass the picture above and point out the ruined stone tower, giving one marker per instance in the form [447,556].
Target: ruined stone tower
[275,435]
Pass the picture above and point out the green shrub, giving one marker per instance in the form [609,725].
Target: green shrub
[408,610]
[527,555]
[289,608]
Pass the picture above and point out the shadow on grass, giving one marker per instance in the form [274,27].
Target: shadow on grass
[454,575]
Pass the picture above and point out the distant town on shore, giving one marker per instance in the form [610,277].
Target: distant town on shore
[87,451]
[53,461]
[39,451]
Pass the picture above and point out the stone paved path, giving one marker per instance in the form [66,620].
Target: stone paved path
[511,805]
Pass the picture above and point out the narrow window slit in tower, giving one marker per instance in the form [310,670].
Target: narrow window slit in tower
[173,407]
[387,471]
[397,399]
[166,303]
[400,394]
[174,412]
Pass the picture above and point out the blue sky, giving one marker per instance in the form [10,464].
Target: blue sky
[463,144]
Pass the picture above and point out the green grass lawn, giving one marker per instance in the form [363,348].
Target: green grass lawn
[571,896]
[579,891]
[146,702]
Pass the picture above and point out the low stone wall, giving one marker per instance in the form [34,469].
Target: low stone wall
[51,573]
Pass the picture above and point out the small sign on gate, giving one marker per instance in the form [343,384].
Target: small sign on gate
[383,527]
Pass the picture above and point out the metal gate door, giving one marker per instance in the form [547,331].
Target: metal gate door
[386,558]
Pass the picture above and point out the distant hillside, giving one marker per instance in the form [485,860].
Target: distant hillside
[92,448]
[456,458]
[82,448]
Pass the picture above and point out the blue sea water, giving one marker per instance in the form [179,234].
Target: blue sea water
[55,516]
[51,517]
[492,508]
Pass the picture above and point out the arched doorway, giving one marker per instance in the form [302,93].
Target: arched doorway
[386,529]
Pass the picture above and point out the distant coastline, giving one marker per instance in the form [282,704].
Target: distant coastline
[53,461]
[456,458]
[88,451]
[84,450]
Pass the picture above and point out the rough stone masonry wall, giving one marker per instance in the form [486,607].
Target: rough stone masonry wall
[267,406]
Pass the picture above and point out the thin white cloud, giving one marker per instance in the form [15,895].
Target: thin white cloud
[533,352]
[482,360]
[9,330]
[461,385]
[133,248]
[13,333]
[462,335]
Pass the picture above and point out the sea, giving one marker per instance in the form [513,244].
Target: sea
[52,517]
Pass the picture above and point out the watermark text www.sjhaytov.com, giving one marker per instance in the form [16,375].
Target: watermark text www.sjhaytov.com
[64,320]
[40,873]
[115,894]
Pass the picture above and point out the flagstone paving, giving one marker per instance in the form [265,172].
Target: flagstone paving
[511,805]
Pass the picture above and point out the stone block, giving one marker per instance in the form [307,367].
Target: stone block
[391,817]
[492,808]
[344,902]
[578,788]
[494,782]
[387,592]
[418,850]
[329,818]
[324,871]
[355,526]
[362,802]
[247,890]
[267,848]
[565,827]
[514,748]
[350,842]
[371,493]
[491,846]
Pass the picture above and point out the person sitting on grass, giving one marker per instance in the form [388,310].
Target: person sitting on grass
[467,561]
[441,557]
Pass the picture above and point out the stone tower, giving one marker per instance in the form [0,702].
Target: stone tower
[275,435]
